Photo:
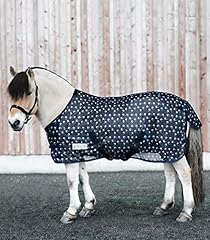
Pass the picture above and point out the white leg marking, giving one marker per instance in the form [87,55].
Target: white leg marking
[168,201]
[90,200]
[72,172]
[88,193]
[170,177]
[184,172]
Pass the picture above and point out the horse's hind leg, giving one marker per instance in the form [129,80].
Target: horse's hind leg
[90,200]
[72,172]
[184,172]
[168,201]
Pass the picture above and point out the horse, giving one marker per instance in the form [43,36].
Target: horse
[151,126]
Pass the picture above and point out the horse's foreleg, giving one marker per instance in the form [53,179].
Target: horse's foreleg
[90,200]
[72,173]
[184,172]
[168,201]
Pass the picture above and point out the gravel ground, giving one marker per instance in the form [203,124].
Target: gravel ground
[31,207]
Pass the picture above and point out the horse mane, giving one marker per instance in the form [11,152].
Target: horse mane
[42,68]
[19,86]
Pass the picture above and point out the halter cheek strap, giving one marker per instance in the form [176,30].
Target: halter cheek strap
[29,113]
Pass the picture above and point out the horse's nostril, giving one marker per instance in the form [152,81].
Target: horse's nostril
[16,123]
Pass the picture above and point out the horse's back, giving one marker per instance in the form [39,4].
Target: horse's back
[154,102]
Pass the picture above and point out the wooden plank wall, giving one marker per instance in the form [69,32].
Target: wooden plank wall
[106,47]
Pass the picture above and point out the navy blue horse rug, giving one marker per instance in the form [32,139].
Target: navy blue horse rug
[149,126]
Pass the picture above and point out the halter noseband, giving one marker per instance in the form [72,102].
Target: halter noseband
[29,113]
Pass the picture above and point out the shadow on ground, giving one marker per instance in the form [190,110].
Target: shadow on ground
[31,206]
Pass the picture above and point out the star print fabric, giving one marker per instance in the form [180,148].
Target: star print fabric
[150,126]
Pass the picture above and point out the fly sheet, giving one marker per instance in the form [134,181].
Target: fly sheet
[150,126]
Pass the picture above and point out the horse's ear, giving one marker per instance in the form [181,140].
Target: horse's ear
[12,71]
[30,73]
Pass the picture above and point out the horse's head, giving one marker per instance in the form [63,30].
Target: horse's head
[23,92]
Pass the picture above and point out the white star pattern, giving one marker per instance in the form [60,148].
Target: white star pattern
[149,126]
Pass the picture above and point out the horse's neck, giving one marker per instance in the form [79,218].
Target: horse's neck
[54,95]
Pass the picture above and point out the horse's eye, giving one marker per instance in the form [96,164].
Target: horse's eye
[28,94]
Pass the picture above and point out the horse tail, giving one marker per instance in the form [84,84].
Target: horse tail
[195,159]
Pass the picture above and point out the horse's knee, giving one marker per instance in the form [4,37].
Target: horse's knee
[72,174]
[72,182]
[83,178]
[69,183]
[183,169]
[185,173]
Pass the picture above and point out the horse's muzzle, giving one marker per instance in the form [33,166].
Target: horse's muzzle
[16,125]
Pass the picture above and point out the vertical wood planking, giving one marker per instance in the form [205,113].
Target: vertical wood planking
[165,85]
[191,54]
[62,37]
[159,44]
[121,40]
[58,41]
[171,46]
[35,33]
[90,46]
[187,50]
[41,33]
[155,42]
[111,39]
[8,136]
[150,46]
[1,85]
[5,137]
[51,35]
[109,47]
[24,65]
[176,47]
[144,47]
[46,31]
[157,26]
[197,47]
[99,49]
[34,127]
[78,40]
[68,40]
[208,69]
[106,48]
[139,49]
[128,41]
[84,45]
[133,47]
[74,49]
[203,72]
[181,46]
[25,136]
[117,50]
[19,64]
[92,21]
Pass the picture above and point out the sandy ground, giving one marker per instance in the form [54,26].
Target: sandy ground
[31,206]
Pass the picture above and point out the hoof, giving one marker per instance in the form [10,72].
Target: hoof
[184,217]
[85,212]
[68,218]
[160,212]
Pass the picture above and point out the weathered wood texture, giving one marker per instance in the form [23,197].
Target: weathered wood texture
[106,47]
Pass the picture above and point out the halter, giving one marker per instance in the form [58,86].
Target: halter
[29,113]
